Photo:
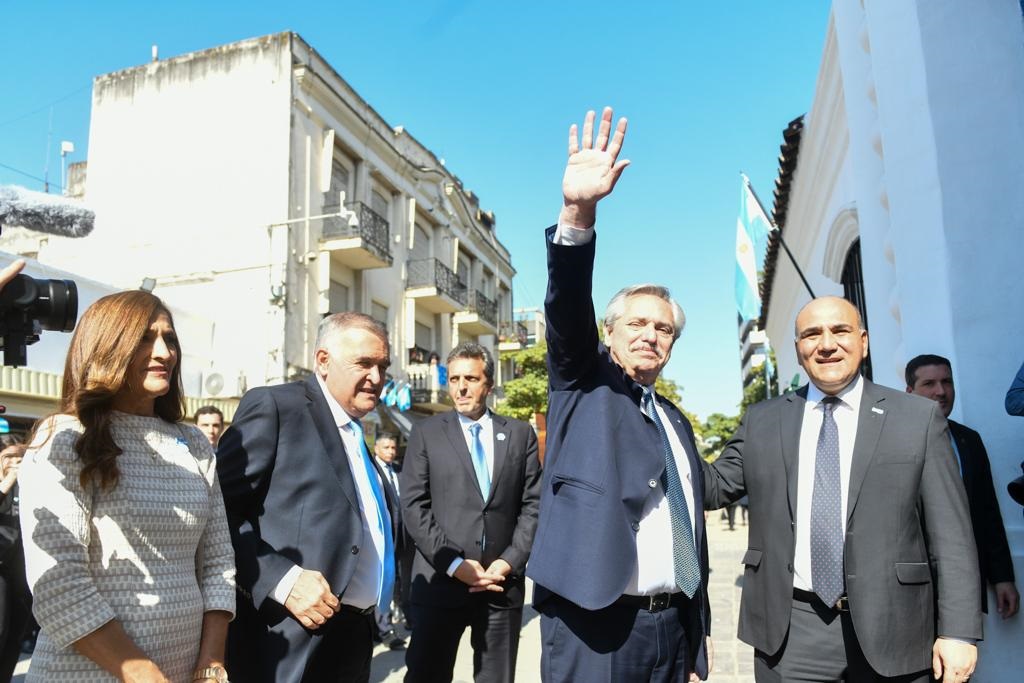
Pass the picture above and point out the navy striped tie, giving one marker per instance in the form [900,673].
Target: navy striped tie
[684,553]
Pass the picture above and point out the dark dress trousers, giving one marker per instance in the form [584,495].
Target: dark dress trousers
[994,560]
[911,569]
[447,518]
[602,456]
[15,598]
[291,500]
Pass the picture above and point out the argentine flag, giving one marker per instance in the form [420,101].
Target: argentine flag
[752,229]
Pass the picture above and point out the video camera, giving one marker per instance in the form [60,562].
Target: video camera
[29,305]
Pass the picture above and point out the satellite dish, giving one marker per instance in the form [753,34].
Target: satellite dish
[213,384]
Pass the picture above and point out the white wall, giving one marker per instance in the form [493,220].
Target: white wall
[929,147]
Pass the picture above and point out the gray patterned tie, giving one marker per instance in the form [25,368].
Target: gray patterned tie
[684,554]
[827,511]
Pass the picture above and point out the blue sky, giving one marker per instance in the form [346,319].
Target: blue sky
[492,88]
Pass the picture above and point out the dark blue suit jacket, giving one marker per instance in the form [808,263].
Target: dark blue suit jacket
[601,455]
[290,500]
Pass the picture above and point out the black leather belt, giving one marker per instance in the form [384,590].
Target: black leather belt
[842,604]
[362,611]
[652,603]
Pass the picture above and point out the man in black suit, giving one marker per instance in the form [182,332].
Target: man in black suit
[931,376]
[861,563]
[470,488]
[620,558]
[310,515]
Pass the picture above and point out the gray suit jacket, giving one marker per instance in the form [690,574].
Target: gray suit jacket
[447,517]
[910,561]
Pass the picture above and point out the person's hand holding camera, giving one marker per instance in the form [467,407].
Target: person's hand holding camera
[10,272]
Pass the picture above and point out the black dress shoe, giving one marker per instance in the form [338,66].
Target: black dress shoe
[394,641]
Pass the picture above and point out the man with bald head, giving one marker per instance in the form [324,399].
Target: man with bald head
[861,563]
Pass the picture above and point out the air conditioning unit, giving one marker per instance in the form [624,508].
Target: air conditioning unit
[222,383]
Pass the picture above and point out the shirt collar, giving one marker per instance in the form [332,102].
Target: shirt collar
[849,395]
[341,418]
[484,421]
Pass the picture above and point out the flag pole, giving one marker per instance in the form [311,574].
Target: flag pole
[778,235]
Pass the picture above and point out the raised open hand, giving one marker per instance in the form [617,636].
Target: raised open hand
[593,167]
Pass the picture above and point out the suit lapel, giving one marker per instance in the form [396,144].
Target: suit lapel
[963,450]
[333,447]
[501,438]
[790,424]
[453,430]
[869,427]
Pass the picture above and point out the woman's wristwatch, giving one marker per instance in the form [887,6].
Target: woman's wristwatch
[217,673]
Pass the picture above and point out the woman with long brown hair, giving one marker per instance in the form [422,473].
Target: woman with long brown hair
[127,547]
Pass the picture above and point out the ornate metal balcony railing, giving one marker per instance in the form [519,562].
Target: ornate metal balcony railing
[430,272]
[514,331]
[370,226]
[484,307]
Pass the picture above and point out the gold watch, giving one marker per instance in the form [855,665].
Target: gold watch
[217,673]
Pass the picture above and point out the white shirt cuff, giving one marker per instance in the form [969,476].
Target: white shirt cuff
[285,585]
[572,237]
[454,565]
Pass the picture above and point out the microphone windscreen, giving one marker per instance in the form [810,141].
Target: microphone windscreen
[42,212]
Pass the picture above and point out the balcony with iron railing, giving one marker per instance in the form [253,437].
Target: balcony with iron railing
[480,315]
[357,237]
[512,335]
[435,286]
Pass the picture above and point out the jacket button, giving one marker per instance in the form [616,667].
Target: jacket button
[652,483]
[789,567]
[636,526]
[355,550]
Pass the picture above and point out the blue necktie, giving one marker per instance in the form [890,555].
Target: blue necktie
[483,477]
[684,553]
[387,581]
[827,511]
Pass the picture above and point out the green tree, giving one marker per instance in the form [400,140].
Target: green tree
[717,430]
[757,390]
[527,393]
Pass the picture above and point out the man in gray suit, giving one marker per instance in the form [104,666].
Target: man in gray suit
[470,489]
[861,563]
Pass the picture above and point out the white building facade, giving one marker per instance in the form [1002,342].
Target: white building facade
[258,190]
[901,186]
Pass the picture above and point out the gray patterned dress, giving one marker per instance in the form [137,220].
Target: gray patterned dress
[153,553]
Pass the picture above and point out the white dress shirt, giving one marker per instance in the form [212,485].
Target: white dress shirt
[655,564]
[364,586]
[389,472]
[487,439]
[846,414]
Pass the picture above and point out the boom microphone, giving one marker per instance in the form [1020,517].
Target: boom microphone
[43,212]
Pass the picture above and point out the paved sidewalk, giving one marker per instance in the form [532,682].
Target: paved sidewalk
[733,661]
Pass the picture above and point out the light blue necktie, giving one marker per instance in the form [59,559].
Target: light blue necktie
[827,510]
[483,477]
[387,581]
[684,553]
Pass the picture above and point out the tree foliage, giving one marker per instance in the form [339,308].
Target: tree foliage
[717,429]
[527,393]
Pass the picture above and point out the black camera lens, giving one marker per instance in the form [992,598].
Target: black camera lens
[53,303]
[27,306]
